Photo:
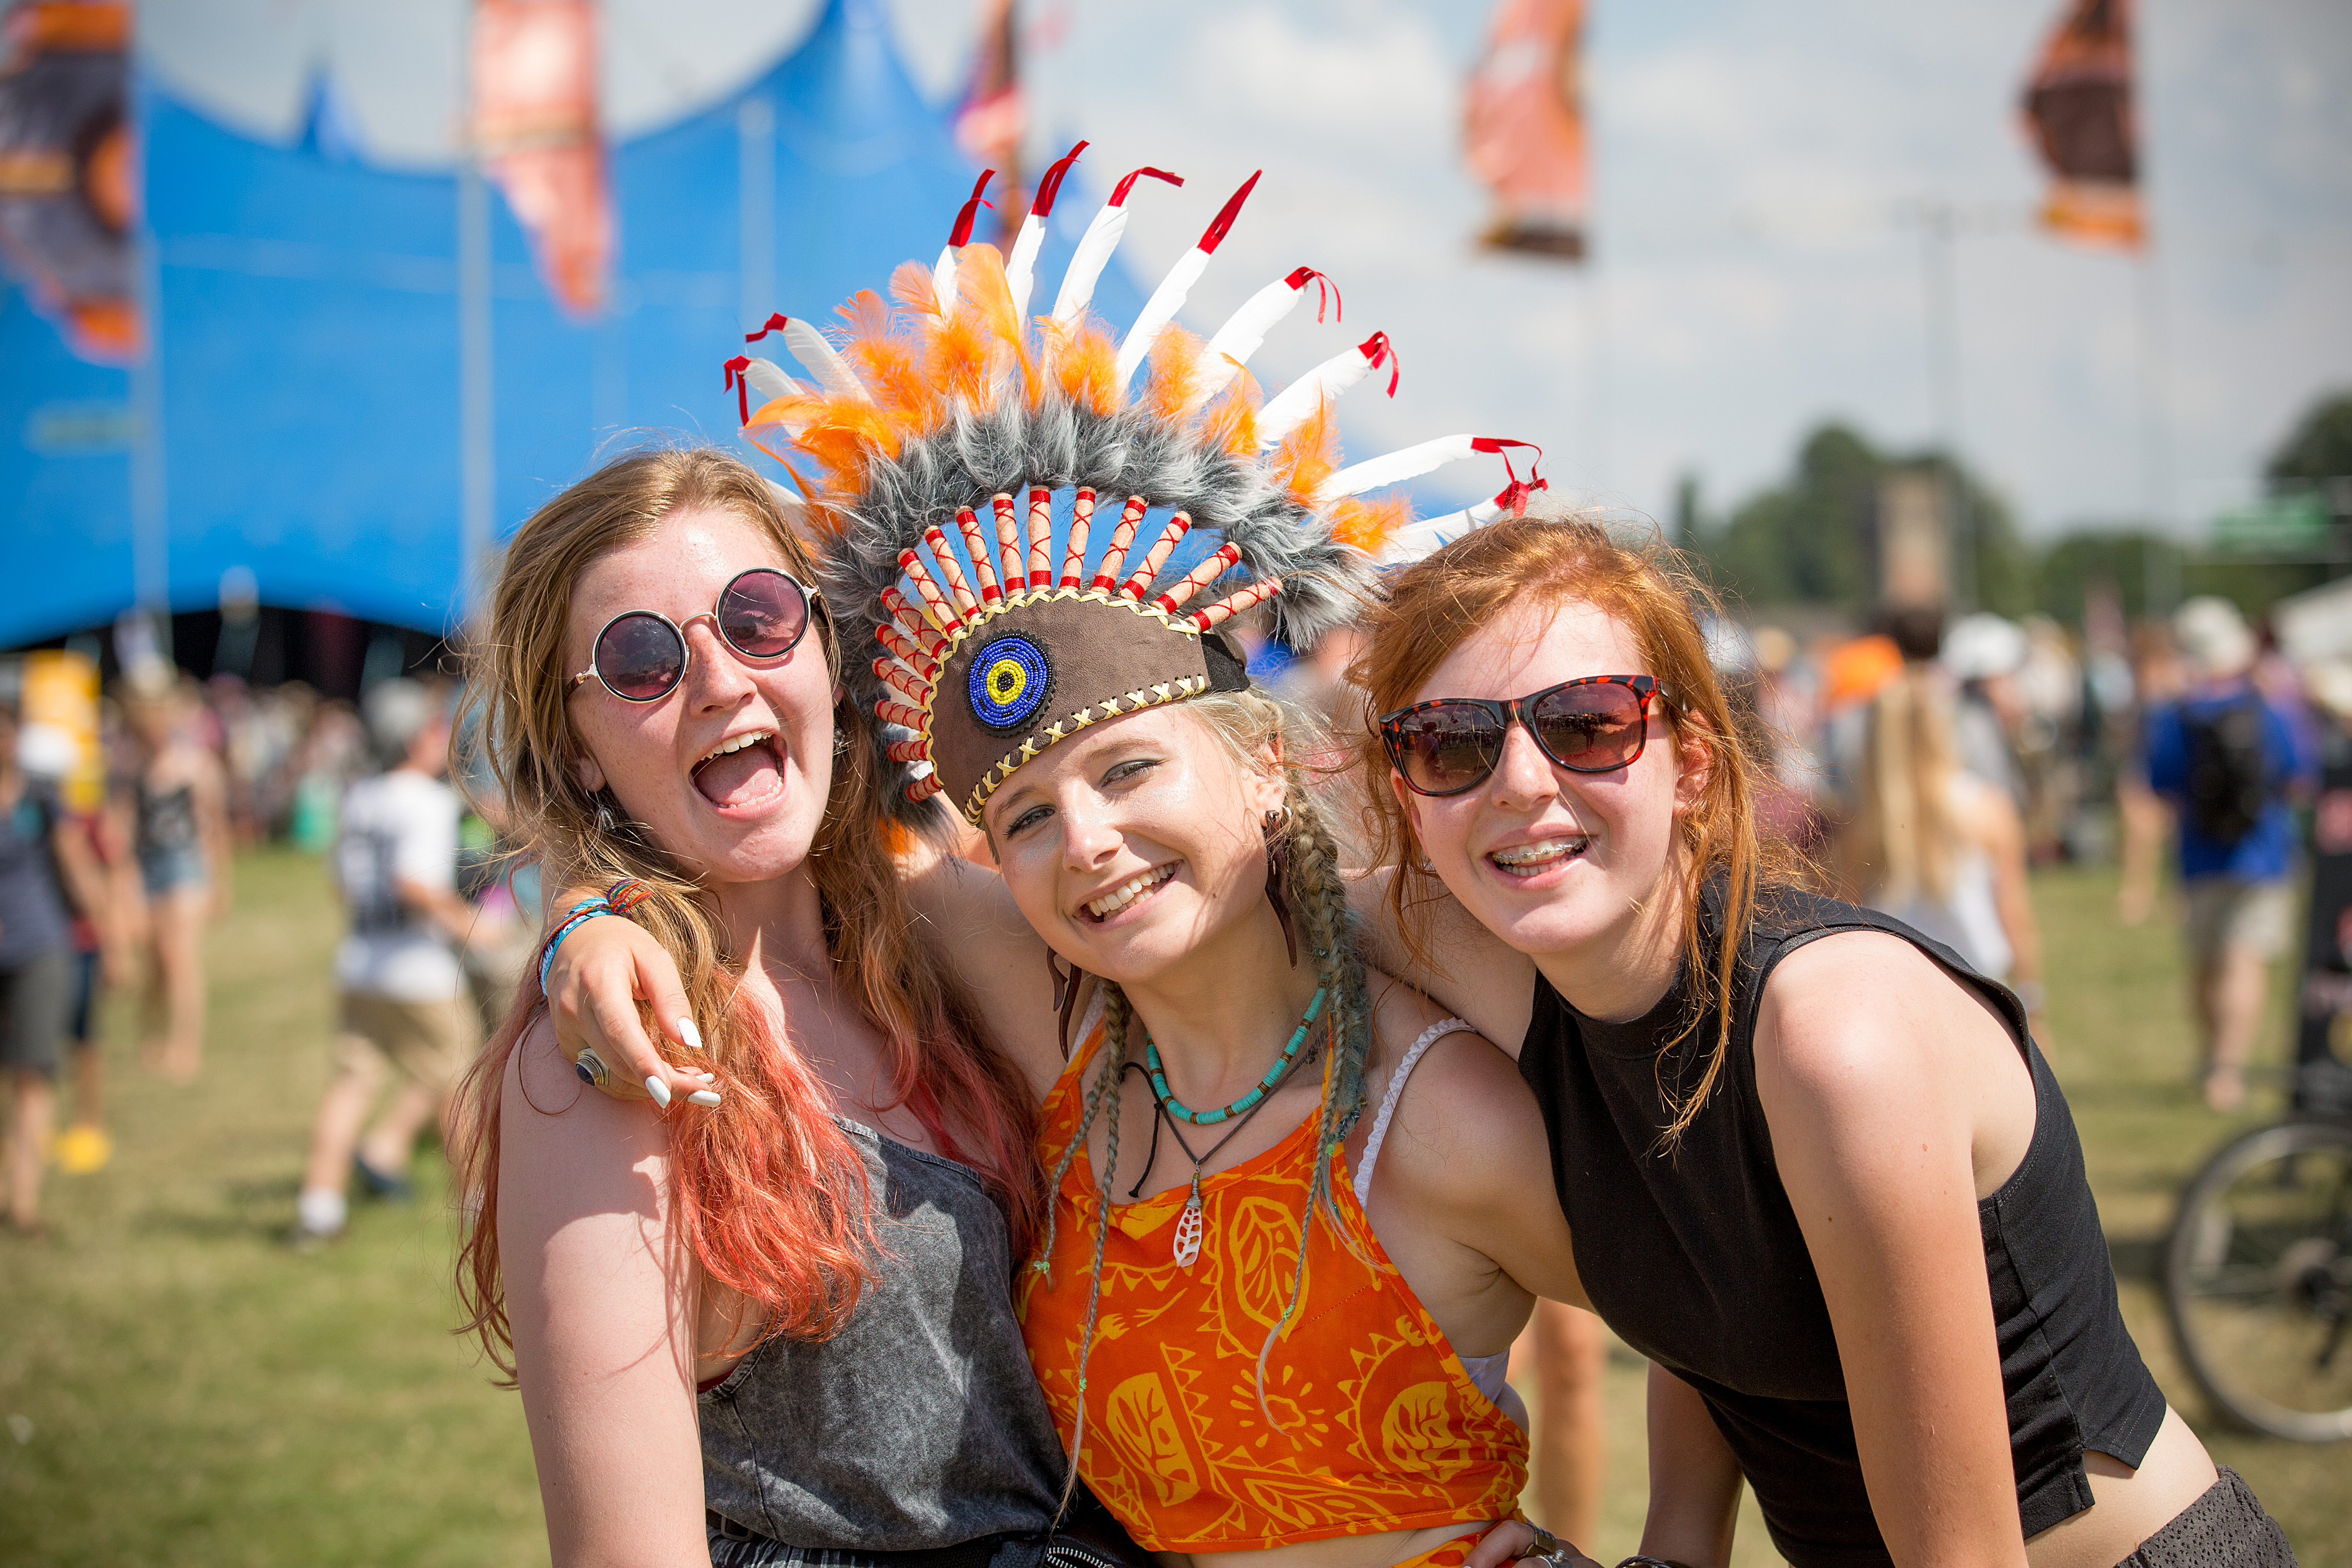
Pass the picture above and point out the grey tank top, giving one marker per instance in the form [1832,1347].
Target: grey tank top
[920,1425]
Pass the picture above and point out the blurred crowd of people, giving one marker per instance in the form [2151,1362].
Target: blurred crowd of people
[112,887]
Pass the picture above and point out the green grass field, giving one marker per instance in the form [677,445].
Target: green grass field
[179,1388]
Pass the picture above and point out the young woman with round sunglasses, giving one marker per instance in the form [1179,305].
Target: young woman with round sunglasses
[778,1320]
[1814,1166]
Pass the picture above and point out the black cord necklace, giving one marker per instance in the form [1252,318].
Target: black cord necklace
[1189,1223]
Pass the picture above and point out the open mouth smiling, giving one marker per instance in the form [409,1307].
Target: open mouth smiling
[1523,861]
[1131,892]
[741,772]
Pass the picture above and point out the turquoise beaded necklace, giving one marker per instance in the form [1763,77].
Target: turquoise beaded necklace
[1247,1102]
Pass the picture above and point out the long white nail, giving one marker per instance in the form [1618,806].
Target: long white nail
[702,1097]
[688,1033]
[708,1077]
[658,1090]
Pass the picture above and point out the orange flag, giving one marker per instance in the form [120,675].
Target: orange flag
[534,119]
[2078,107]
[68,192]
[1524,128]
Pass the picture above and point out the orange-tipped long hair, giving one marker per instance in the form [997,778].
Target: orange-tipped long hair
[1554,557]
[769,1195]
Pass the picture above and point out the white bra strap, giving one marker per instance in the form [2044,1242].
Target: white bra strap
[1420,1047]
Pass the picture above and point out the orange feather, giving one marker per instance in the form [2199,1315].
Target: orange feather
[1175,372]
[1085,362]
[979,281]
[1307,455]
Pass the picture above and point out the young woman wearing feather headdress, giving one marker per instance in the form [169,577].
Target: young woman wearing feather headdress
[1297,1214]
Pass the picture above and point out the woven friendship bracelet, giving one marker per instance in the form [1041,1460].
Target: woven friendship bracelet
[580,914]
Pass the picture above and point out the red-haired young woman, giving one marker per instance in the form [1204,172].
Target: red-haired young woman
[780,1321]
[1815,1168]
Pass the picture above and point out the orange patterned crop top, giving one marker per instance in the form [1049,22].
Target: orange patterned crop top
[1381,1427]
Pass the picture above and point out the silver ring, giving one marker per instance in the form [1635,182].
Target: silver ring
[592,1069]
[1544,1545]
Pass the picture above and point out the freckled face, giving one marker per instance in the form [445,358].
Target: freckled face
[729,771]
[1552,862]
[1134,845]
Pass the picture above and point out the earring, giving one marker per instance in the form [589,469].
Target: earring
[1277,868]
[841,742]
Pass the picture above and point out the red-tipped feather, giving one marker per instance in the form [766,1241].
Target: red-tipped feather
[975,544]
[1008,543]
[951,570]
[1074,553]
[1199,577]
[1050,186]
[1041,530]
[1257,594]
[961,233]
[1156,557]
[1222,224]
[1119,192]
[1114,559]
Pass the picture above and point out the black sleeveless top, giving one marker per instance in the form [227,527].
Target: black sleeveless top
[1696,1262]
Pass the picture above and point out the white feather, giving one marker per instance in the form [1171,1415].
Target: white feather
[824,362]
[943,279]
[796,515]
[1415,540]
[1158,311]
[1086,263]
[1281,415]
[1243,334]
[1020,270]
[768,383]
[1394,467]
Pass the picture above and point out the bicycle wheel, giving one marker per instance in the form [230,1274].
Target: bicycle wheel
[2258,1280]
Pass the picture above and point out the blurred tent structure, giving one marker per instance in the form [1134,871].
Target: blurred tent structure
[305,394]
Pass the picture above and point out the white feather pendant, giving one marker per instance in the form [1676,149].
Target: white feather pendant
[1283,414]
[1158,311]
[1244,331]
[1086,263]
[1415,540]
[817,355]
[1101,238]
[1021,267]
[1395,467]
[1169,297]
[768,383]
[943,273]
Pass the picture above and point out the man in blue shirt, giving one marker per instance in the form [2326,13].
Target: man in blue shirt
[2230,763]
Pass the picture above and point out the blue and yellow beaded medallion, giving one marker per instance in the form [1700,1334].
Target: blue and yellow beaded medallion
[1008,682]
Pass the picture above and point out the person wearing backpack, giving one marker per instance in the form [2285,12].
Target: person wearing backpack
[2230,763]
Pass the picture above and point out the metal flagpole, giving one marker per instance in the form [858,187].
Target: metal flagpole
[2160,568]
[151,532]
[1938,275]
[476,455]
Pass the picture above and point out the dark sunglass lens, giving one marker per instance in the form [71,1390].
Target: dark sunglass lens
[764,613]
[1596,727]
[640,657]
[1447,749]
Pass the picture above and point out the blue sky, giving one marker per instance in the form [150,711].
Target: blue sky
[1753,162]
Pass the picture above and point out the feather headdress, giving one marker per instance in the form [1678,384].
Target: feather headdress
[935,431]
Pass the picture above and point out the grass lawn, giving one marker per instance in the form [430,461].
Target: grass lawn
[181,1389]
